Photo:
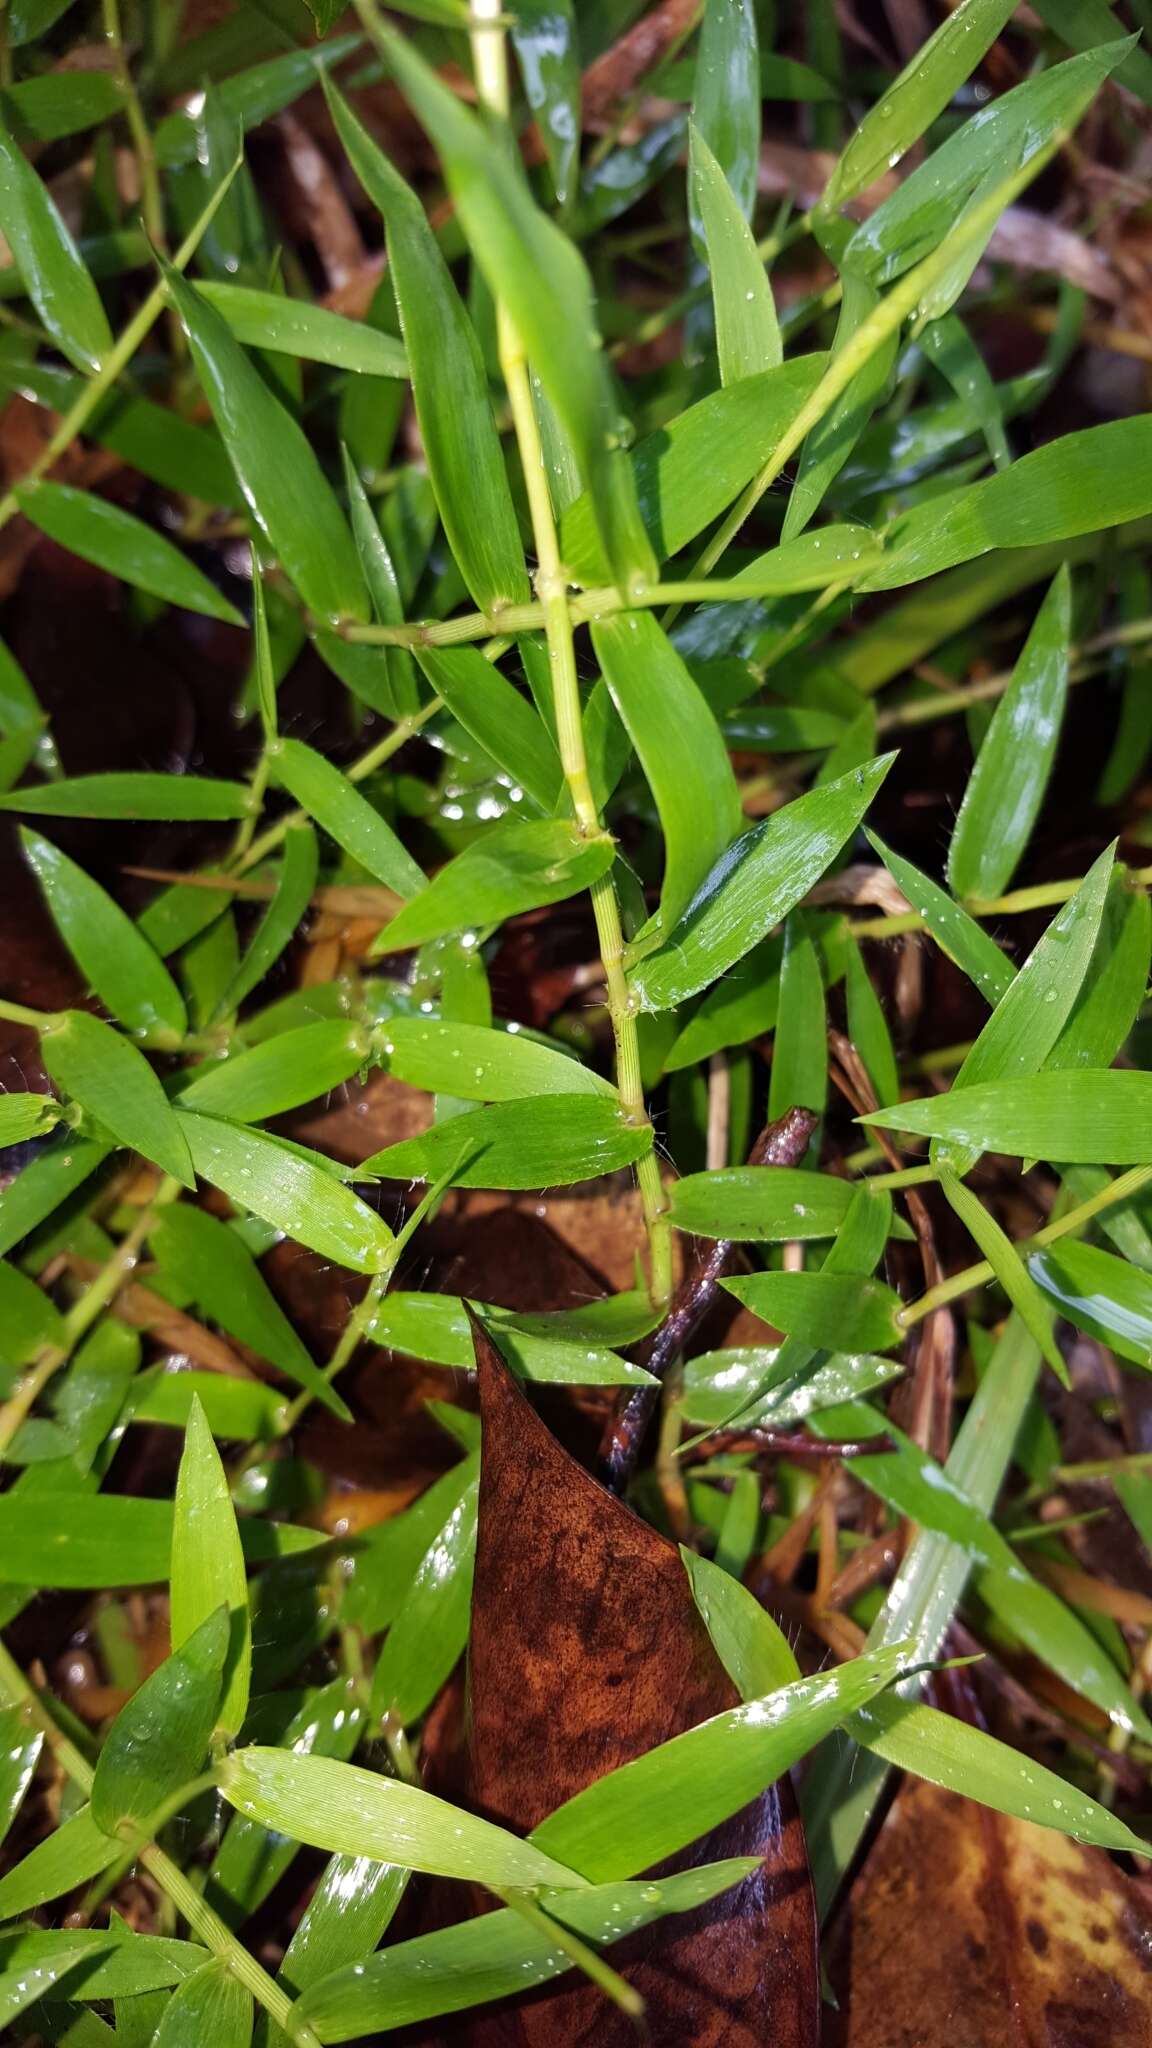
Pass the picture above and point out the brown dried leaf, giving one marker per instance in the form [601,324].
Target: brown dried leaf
[586,1652]
[970,1930]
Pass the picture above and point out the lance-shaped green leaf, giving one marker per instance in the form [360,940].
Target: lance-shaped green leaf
[213,2005]
[1101,1294]
[131,795]
[756,882]
[947,343]
[1071,1117]
[20,1746]
[693,468]
[754,1651]
[544,36]
[118,963]
[115,540]
[290,1189]
[1073,485]
[339,1806]
[249,97]
[959,935]
[1012,131]
[283,484]
[242,1410]
[496,714]
[337,805]
[383,584]
[429,1634]
[811,561]
[1112,992]
[760,1204]
[833,1311]
[277,927]
[496,1955]
[88,1540]
[726,96]
[208,1260]
[159,1739]
[646,1810]
[117,1962]
[280,1074]
[868,1027]
[553,1142]
[827,448]
[23,1116]
[924,88]
[747,329]
[1006,787]
[1028,1019]
[681,752]
[514,867]
[69,1856]
[208,1573]
[800,1048]
[742,1386]
[62,103]
[113,1082]
[948,1752]
[480,1064]
[436,1327]
[344,1921]
[449,381]
[48,261]
[293,327]
[38,1191]
[1014,1276]
[540,276]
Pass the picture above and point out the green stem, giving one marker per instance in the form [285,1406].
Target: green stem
[491,63]
[1041,896]
[205,1923]
[1119,1190]
[152,203]
[117,359]
[36,1020]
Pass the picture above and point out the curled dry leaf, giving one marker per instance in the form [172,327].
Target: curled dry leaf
[968,1928]
[586,1652]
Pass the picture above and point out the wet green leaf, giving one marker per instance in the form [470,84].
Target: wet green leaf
[548,1143]
[496,715]
[742,1386]
[277,927]
[207,1259]
[760,1204]
[208,1573]
[681,752]
[24,1116]
[293,327]
[344,1921]
[83,1541]
[1101,1294]
[129,795]
[752,1648]
[480,1064]
[760,878]
[726,96]
[1014,1276]
[48,261]
[959,935]
[60,103]
[436,1327]
[159,1739]
[799,1076]
[283,484]
[290,1189]
[337,805]
[449,382]
[74,1852]
[496,1954]
[835,1311]
[429,1633]
[107,1962]
[747,330]
[339,1806]
[1093,1117]
[868,1028]
[47,1181]
[119,964]
[545,39]
[115,540]
[250,96]
[633,1817]
[239,1409]
[266,1080]
[20,1746]
[516,866]
[691,470]
[114,1083]
[907,109]
[1006,787]
[1112,992]
[213,2005]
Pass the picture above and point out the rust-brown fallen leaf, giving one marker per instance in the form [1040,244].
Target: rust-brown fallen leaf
[587,1651]
[967,1929]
